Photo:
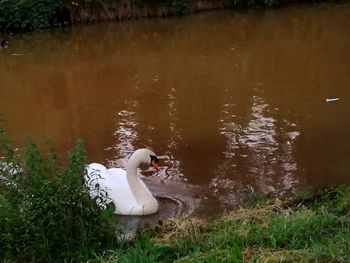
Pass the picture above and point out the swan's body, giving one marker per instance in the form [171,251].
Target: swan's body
[128,192]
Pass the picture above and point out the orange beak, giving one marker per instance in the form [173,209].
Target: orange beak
[155,165]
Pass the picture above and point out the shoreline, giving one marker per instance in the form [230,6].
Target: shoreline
[16,18]
[128,9]
[311,227]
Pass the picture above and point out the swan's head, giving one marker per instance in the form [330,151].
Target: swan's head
[145,156]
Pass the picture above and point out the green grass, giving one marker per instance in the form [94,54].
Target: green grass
[317,231]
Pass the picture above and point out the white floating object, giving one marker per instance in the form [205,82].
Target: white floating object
[332,99]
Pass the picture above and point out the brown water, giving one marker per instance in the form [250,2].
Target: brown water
[234,99]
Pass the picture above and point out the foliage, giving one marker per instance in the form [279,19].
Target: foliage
[182,7]
[335,199]
[46,212]
[256,3]
[253,198]
[29,14]
[24,15]
[314,232]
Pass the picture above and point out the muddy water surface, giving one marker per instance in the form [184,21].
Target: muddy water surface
[236,100]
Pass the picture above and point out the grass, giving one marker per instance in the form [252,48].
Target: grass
[316,230]
[48,216]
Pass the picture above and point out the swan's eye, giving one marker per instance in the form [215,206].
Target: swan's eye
[154,158]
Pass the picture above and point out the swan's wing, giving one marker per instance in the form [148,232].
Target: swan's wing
[96,166]
[114,182]
[120,191]
[95,172]
[94,179]
[118,174]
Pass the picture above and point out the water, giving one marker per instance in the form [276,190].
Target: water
[236,100]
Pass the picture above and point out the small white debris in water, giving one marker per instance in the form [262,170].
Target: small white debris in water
[332,99]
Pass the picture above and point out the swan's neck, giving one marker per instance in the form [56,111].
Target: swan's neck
[141,193]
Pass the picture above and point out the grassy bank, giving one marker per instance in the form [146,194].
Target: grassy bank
[47,215]
[314,230]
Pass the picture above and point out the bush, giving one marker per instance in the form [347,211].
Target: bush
[29,14]
[182,7]
[46,212]
[256,3]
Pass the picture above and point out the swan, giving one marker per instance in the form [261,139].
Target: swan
[125,189]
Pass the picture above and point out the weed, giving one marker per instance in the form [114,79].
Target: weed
[46,212]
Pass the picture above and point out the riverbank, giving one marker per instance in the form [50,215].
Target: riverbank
[302,229]
[48,215]
[32,15]
[87,12]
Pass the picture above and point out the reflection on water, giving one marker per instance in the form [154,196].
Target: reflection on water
[234,99]
[173,170]
[263,146]
[125,135]
[264,152]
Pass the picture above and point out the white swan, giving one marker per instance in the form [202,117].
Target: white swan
[128,192]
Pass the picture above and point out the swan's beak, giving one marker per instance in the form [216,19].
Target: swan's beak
[155,165]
